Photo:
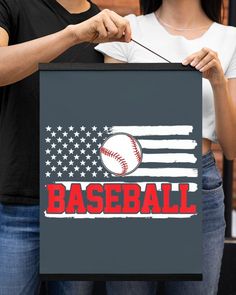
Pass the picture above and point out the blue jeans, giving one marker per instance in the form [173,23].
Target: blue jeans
[213,231]
[19,255]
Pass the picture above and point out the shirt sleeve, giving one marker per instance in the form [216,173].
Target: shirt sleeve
[118,50]
[8,14]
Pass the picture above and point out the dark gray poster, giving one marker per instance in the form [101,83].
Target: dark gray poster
[120,171]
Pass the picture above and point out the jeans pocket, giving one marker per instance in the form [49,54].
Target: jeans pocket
[213,198]
[213,209]
[211,178]
[217,187]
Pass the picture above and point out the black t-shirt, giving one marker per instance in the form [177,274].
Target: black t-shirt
[25,20]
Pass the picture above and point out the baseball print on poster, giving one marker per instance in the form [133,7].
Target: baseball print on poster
[120,171]
[121,154]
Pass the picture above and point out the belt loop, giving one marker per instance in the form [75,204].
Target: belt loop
[213,156]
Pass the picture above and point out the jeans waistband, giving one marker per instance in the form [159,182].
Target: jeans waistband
[208,159]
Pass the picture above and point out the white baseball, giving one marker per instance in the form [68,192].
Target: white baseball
[121,154]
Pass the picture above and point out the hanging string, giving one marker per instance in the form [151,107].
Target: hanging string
[150,50]
[153,52]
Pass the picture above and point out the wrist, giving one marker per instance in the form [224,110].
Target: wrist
[72,32]
[222,82]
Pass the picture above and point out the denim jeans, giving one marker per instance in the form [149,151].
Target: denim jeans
[19,255]
[213,231]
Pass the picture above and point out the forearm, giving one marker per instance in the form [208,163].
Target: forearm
[225,112]
[20,61]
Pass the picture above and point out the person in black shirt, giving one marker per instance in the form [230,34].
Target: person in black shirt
[34,31]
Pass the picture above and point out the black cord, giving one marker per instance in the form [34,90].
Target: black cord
[150,50]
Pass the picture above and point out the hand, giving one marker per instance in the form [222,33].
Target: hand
[107,26]
[207,62]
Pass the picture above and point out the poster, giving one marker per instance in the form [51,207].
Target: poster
[120,171]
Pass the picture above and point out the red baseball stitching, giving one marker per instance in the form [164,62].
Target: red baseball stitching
[118,158]
[135,149]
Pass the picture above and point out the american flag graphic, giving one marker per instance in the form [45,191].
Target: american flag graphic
[72,155]
[73,152]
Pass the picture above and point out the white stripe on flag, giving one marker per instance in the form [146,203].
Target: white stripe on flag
[175,186]
[103,215]
[152,130]
[164,172]
[168,144]
[169,158]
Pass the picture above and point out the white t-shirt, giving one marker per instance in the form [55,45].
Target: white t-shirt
[148,31]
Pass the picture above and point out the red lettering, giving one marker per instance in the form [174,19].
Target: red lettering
[110,198]
[97,208]
[166,188]
[131,196]
[184,188]
[56,195]
[150,203]
[75,200]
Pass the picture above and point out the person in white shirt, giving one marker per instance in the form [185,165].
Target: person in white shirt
[190,32]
